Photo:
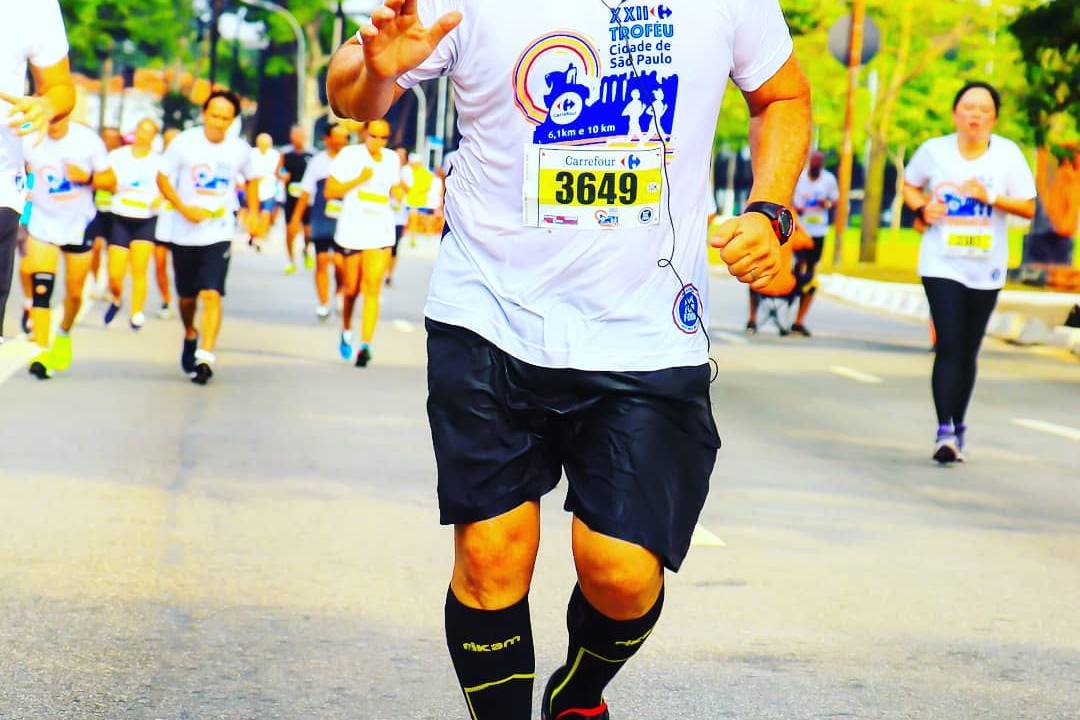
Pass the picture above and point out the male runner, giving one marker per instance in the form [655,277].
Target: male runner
[311,206]
[423,199]
[294,162]
[567,315]
[101,226]
[267,164]
[363,177]
[198,178]
[815,195]
[32,33]
[68,166]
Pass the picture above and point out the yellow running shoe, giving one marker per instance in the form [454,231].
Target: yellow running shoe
[309,261]
[40,365]
[60,354]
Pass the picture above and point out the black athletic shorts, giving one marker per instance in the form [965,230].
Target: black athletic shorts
[324,245]
[637,447]
[125,229]
[399,232]
[100,227]
[201,268]
[806,262]
[344,251]
[290,207]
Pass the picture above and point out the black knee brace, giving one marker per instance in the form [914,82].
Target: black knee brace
[43,284]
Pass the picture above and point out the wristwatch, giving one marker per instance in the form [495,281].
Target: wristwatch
[783,222]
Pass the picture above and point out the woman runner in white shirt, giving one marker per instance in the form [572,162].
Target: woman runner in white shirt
[963,186]
[135,204]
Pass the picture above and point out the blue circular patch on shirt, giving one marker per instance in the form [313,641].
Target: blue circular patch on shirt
[687,311]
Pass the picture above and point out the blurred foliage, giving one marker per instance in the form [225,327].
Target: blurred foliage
[1052,69]
[147,33]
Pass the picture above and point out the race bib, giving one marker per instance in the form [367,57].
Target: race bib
[815,218]
[295,189]
[333,209]
[590,189]
[971,243]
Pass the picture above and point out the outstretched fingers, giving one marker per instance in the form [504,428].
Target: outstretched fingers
[444,26]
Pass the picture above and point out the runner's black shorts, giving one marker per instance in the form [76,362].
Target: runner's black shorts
[100,227]
[344,251]
[324,245]
[806,262]
[637,447]
[201,268]
[399,232]
[125,229]
[290,207]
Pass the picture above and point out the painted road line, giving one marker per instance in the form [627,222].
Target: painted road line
[15,355]
[704,538]
[404,326]
[729,338]
[1060,430]
[846,372]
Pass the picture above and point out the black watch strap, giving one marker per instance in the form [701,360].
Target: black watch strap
[780,216]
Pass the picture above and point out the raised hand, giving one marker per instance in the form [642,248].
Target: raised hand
[29,115]
[396,42]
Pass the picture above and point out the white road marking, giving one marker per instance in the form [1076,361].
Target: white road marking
[14,356]
[1060,430]
[729,338]
[704,538]
[404,326]
[846,372]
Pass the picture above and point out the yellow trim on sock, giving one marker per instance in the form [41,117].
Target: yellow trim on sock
[485,686]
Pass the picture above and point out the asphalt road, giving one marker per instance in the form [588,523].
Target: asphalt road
[268,547]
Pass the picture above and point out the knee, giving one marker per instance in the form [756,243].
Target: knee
[42,284]
[211,299]
[493,569]
[623,584]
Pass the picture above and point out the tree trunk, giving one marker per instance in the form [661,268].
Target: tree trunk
[873,199]
[898,201]
[103,97]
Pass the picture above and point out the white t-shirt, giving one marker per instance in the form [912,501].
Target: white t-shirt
[367,220]
[812,198]
[971,244]
[136,193]
[62,209]
[580,286]
[204,175]
[34,32]
[266,167]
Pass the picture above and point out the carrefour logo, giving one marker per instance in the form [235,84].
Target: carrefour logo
[633,162]
[639,13]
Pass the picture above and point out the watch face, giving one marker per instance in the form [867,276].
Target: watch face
[785,222]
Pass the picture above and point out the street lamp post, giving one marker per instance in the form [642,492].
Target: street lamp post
[301,53]
[847,159]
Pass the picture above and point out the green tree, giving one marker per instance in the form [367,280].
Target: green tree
[1051,68]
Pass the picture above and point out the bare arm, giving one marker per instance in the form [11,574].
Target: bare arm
[105,180]
[361,82]
[54,84]
[779,133]
[191,214]
[336,189]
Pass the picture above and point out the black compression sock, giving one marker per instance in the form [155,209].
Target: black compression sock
[599,647]
[493,655]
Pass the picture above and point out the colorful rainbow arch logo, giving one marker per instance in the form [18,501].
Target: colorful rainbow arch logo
[577,46]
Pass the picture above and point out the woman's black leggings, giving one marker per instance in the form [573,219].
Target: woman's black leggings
[960,318]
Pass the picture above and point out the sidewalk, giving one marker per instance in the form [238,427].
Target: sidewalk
[1022,317]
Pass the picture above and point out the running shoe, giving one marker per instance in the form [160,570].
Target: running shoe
[137,321]
[165,311]
[26,324]
[309,261]
[947,447]
[345,347]
[322,312]
[187,355]
[364,356]
[39,366]
[110,314]
[600,712]
[290,269]
[60,354]
[751,328]
[202,374]
[389,281]
[800,329]
[961,430]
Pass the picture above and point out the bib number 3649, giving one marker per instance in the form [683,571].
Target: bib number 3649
[589,189]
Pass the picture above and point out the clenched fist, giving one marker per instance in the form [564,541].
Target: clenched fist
[750,248]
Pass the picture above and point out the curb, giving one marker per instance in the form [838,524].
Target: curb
[908,301]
